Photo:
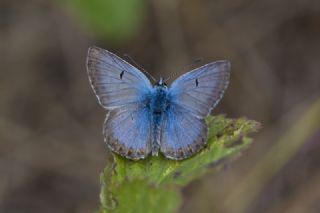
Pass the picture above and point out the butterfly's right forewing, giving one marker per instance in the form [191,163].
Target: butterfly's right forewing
[201,89]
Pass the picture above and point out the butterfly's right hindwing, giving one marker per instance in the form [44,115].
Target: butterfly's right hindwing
[182,134]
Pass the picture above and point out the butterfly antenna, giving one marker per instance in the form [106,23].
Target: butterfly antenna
[141,68]
[183,68]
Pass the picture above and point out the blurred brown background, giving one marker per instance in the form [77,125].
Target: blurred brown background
[51,146]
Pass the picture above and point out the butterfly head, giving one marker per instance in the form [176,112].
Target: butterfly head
[161,83]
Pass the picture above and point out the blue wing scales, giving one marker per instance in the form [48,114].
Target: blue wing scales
[192,97]
[182,135]
[201,89]
[122,90]
[114,81]
[127,131]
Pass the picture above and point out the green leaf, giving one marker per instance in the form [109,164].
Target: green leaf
[123,195]
[109,19]
[159,179]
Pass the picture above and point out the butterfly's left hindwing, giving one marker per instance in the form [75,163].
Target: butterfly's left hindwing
[127,131]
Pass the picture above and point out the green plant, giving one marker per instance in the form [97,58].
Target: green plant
[113,20]
[141,186]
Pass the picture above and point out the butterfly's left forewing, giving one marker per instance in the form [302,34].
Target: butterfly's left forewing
[114,81]
[192,97]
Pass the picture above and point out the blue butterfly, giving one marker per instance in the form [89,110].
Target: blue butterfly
[143,118]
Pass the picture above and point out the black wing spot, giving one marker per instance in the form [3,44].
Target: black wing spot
[197,82]
[121,74]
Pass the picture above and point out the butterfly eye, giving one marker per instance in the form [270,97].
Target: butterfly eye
[160,84]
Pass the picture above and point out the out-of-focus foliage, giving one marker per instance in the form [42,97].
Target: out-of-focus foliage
[291,142]
[115,20]
[137,186]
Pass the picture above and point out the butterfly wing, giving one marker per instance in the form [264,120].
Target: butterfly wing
[114,81]
[200,90]
[123,90]
[192,96]
[182,134]
[127,131]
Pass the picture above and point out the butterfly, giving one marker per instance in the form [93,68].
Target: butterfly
[144,119]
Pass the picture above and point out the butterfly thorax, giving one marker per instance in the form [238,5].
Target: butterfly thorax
[159,100]
[160,93]
[159,103]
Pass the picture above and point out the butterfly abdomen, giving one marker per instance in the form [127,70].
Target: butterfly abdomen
[158,106]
